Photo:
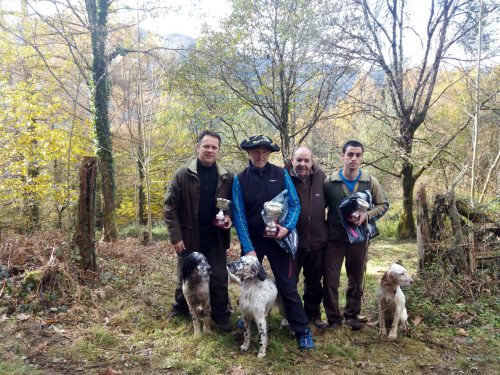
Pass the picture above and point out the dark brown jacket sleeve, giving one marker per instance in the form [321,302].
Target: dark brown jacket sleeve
[171,206]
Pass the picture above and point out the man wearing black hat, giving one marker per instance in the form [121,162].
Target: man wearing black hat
[260,182]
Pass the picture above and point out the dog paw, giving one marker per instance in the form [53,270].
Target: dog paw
[392,336]
[382,332]
[261,354]
[244,348]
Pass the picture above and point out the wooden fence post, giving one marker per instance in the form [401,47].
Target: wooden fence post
[85,227]
[426,251]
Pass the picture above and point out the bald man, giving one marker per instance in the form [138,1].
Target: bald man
[308,180]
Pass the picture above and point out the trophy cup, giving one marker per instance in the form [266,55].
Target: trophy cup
[363,206]
[272,211]
[223,205]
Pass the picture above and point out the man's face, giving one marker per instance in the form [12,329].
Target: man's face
[352,158]
[259,156]
[208,150]
[302,162]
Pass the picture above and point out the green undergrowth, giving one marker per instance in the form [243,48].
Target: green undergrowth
[159,231]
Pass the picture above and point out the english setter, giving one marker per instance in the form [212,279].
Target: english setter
[196,289]
[391,300]
[258,296]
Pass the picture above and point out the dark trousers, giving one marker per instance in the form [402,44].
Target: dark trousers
[219,297]
[286,280]
[355,262]
[311,263]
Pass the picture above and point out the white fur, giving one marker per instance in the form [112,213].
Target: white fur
[257,298]
[392,301]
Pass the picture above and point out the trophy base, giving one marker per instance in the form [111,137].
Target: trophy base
[270,233]
[219,223]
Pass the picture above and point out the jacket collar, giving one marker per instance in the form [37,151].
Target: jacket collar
[292,173]
[192,166]
[335,176]
[254,169]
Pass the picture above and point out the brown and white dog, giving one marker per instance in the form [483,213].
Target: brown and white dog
[391,300]
[196,289]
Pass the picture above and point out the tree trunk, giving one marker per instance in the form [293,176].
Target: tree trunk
[140,170]
[84,238]
[438,218]
[97,11]
[31,200]
[457,253]
[406,227]
[426,250]
[108,202]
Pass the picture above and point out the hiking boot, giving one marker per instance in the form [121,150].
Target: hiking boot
[224,326]
[240,324]
[319,324]
[305,339]
[355,324]
[334,325]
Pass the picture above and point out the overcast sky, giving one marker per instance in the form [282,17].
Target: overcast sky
[187,16]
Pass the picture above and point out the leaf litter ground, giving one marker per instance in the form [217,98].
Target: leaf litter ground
[62,321]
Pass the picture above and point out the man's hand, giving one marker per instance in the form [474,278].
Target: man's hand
[251,254]
[282,232]
[227,222]
[360,220]
[179,247]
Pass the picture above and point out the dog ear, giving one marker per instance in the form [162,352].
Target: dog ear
[387,279]
[188,265]
[261,272]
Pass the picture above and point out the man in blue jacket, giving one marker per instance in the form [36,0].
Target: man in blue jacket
[260,182]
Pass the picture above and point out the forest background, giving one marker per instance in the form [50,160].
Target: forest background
[415,81]
[420,92]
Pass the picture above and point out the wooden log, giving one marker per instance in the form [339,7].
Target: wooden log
[426,250]
[84,238]
[475,214]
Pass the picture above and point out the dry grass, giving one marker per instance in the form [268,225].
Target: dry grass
[117,320]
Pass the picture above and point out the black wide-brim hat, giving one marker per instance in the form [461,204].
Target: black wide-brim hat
[256,141]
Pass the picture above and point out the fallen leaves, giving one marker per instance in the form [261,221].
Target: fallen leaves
[22,317]
[462,332]
[238,370]
[417,320]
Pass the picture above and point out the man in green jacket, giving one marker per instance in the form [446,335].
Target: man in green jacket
[341,184]
[189,208]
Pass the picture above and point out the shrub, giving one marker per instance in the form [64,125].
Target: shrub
[159,231]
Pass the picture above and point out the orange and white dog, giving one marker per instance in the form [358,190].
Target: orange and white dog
[392,301]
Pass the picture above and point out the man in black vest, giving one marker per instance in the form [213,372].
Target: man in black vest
[189,208]
[308,180]
[341,184]
[260,182]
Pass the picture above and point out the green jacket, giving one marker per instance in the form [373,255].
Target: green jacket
[181,203]
[336,191]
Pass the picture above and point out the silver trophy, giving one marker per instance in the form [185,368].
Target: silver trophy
[223,205]
[272,211]
[363,206]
